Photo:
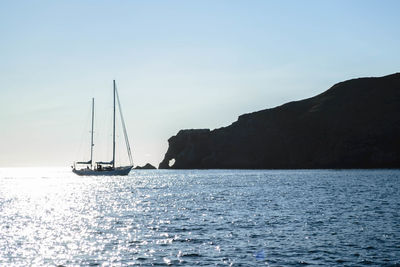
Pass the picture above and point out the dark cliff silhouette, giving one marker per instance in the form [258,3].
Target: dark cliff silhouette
[354,124]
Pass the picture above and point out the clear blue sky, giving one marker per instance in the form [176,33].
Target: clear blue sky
[178,64]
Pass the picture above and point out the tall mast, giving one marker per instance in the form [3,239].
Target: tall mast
[113,161]
[91,143]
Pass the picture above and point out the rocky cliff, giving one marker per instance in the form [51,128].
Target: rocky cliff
[354,124]
[148,166]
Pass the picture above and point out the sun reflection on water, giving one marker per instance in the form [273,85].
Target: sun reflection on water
[49,216]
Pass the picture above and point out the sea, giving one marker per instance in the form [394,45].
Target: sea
[51,217]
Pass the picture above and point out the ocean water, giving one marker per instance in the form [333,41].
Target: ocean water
[200,218]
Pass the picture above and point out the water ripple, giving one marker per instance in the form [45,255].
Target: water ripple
[187,218]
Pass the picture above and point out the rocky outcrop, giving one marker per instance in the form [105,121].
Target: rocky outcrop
[354,124]
[148,166]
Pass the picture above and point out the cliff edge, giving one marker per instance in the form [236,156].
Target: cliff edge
[354,124]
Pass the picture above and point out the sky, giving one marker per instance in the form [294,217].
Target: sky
[177,64]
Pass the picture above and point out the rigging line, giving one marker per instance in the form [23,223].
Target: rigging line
[128,148]
[124,128]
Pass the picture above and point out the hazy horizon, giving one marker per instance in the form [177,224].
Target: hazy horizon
[177,65]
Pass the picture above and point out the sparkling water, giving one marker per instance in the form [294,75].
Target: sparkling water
[200,217]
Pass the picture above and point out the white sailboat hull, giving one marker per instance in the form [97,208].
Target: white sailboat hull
[118,171]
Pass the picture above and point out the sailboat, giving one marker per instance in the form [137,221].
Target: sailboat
[106,168]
